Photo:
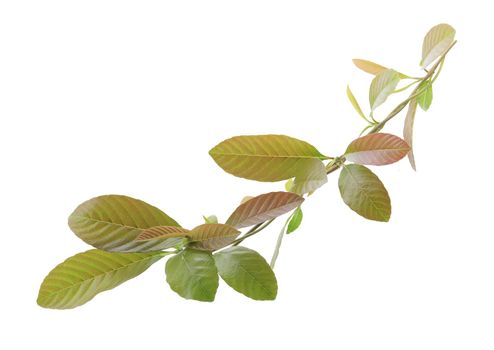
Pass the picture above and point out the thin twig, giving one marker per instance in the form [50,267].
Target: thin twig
[278,243]
[255,229]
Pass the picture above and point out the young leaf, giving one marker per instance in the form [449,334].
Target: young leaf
[279,241]
[247,272]
[166,236]
[408,130]
[376,149]
[264,157]
[295,221]
[373,68]
[382,86]
[79,278]
[192,274]
[289,185]
[245,199]
[263,208]
[310,178]
[212,236]
[368,66]
[436,42]
[364,193]
[425,98]
[113,222]
[211,219]
[355,103]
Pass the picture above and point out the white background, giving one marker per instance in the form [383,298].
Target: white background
[127,97]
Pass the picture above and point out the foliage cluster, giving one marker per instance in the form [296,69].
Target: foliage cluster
[130,235]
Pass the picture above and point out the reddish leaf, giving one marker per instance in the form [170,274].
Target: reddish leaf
[264,207]
[162,232]
[377,149]
[213,236]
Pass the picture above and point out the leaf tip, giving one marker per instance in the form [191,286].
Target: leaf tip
[271,297]
[39,300]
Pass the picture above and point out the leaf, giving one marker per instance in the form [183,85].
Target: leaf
[373,68]
[263,208]
[436,42]
[279,241]
[211,219]
[368,66]
[408,130]
[213,236]
[163,233]
[264,157]
[192,274]
[245,199]
[377,149]
[289,185]
[79,278]
[113,222]
[310,178]
[382,86]
[364,193]
[295,221]
[355,103]
[425,98]
[247,272]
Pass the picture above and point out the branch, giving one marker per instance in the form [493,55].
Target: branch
[338,162]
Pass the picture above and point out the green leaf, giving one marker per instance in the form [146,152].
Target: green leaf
[295,221]
[289,185]
[408,130]
[262,208]
[376,149]
[355,103]
[213,236]
[211,219]
[192,274]
[382,86]
[436,42]
[113,222]
[264,157]
[247,272]
[425,98]
[364,193]
[310,177]
[79,278]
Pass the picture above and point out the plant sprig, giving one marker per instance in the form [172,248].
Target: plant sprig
[130,235]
